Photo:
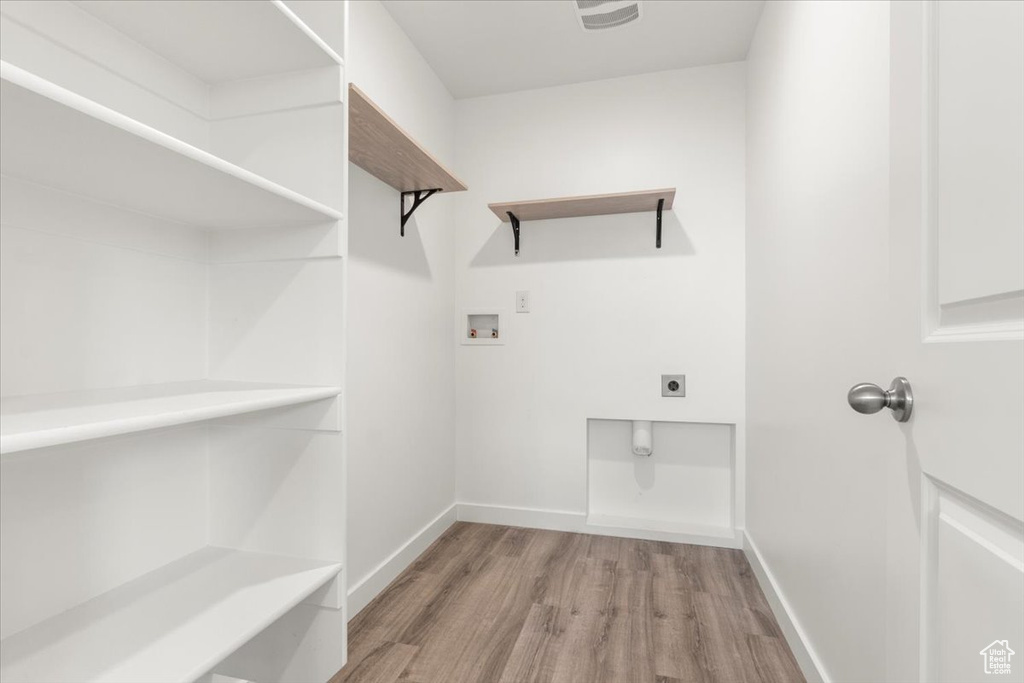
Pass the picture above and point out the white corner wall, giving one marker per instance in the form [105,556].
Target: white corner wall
[400,377]
[817,236]
[609,312]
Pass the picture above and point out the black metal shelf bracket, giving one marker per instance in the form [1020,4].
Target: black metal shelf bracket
[418,197]
[661,204]
[515,229]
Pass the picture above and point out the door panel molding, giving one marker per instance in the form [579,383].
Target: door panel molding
[972,232]
[962,536]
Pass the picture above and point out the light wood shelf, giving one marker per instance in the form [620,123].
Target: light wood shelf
[379,146]
[70,143]
[584,205]
[172,624]
[42,420]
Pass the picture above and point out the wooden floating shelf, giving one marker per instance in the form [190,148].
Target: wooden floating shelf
[380,147]
[192,35]
[43,420]
[172,624]
[70,143]
[585,205]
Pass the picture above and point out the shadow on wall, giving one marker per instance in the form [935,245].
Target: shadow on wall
[586,238]
[374,223]
[914,472]
[251,303]
[643,472]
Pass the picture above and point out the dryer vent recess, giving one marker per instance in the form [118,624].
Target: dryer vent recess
[601,15]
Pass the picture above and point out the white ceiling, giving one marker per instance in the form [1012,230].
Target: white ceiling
[484,47]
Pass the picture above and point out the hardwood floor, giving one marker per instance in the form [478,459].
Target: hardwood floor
[494,604]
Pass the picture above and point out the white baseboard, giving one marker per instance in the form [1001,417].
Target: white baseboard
[655,530]
[810,663]
[563,520]
[531,518]
[371,585]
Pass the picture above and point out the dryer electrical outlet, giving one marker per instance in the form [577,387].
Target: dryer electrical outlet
[673,386]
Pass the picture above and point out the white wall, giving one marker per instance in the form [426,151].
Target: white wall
[400,376]
[817,241]
[609,312]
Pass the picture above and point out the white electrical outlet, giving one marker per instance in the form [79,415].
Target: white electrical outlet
[522,302]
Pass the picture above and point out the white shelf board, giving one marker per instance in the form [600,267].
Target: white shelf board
[219,40]
[42,420]
[172,624]
[57,138]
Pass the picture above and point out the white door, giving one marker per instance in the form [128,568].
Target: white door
[956,540]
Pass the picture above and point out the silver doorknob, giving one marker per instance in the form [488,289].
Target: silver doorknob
[870,398]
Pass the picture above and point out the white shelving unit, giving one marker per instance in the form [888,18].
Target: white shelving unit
[69,143]
[172,257]
[191,34]
[209,603]
[42,420]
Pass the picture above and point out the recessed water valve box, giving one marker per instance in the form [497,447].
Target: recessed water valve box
[673,385]
[484,326]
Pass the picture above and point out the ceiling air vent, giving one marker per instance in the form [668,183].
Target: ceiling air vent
[598,15]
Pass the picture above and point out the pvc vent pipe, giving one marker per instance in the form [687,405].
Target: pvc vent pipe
[643,437]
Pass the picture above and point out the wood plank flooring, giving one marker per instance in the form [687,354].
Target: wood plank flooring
[495,604]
